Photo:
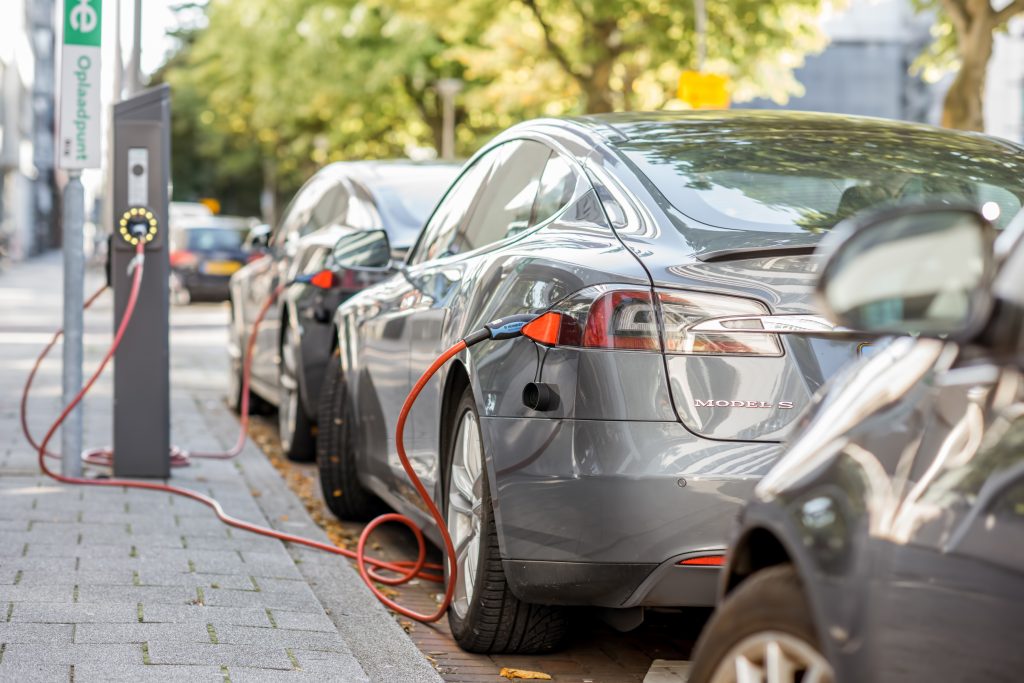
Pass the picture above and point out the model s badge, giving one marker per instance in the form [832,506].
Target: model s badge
[711,403]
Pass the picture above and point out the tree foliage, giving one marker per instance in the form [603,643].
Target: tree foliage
[269,90]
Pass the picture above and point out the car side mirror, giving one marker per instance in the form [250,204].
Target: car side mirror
[368,250]
[915,269]
[257,243]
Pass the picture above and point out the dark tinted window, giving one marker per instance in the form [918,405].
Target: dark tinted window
[213,239]
[330,208]
[808,180]
[405,197]
[505,203]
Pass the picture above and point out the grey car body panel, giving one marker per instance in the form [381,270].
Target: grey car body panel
[903,585]
[601,481]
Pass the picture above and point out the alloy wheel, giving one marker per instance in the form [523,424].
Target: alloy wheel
[465,508]
[773,657]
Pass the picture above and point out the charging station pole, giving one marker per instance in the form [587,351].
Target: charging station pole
[78,148]
[142,158]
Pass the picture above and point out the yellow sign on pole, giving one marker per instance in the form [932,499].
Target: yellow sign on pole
[704,90]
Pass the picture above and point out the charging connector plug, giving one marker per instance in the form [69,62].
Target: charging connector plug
[509,327]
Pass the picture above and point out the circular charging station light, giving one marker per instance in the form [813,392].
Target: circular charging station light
[135,216]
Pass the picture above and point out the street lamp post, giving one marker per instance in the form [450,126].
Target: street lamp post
[135,62]
[448,88]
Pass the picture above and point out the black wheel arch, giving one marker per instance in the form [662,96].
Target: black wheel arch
[455,384]
[758,548]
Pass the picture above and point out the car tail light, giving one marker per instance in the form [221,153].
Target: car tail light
[255,256]
[182,258]
[681,310]
[622,317]
[703,561]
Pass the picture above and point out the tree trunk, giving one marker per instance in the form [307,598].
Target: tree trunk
[597,85]
[964,105]
[598,89]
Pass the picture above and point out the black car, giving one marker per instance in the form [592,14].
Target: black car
[888,543]
[294,343]
[205,252]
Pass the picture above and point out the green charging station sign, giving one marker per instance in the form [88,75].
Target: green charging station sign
[80,107]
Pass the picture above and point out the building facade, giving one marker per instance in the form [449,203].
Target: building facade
[28,206]
[865,70]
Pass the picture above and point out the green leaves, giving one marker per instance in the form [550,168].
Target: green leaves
[273,89]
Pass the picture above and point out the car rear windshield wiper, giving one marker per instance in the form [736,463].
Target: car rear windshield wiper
[756,252]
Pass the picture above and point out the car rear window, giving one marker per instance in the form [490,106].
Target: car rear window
[214,239]
[807,181]
[407,200]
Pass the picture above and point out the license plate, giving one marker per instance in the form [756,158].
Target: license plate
[221,267]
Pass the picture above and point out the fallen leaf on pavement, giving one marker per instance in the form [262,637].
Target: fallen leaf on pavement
[523,674]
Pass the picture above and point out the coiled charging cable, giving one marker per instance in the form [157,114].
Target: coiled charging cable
[370,568]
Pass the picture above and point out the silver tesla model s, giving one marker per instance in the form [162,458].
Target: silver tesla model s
[604,464]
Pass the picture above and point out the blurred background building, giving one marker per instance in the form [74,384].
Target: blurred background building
[866,70]
[28,206]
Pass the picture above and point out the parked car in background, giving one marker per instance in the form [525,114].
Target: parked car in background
[296,338]
[185,211]
[205,252]
[888,542]
[604,465]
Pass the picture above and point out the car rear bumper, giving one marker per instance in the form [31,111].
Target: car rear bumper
[599,513]
[610,584]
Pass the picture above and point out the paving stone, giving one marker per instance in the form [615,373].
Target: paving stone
[111,656]
[167,652]
[238,616]
[294,600]
[78,613]
[54,566]
[147,674]
[189,579]
[238,541]
[141,632]
[33,672]
[303,621]
[339,674]
[114,577]
[280,637]
[53,634]
[344,666]
[41,593]
[137,563]
[76,550]
[148,595]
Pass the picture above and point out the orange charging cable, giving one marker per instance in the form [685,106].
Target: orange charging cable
[370,568]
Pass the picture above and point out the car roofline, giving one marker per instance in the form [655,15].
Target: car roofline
[604,125]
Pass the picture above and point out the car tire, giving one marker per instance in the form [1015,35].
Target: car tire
[485,616]
[766,610]
[344,495]
[294,428]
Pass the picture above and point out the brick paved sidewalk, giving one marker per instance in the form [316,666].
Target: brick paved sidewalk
[113,584]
